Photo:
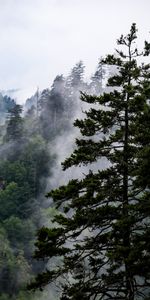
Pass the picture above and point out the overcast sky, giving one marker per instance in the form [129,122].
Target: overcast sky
[43,38]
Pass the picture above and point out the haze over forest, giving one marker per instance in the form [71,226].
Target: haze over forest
[74,150]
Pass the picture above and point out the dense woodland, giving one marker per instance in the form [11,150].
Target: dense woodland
[28,158]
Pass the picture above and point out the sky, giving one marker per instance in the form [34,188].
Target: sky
[43,38]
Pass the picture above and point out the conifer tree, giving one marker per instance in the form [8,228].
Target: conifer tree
[15,124]
[76,76]
[102,230]
[96,85]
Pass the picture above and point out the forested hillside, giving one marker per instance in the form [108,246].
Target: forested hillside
[28,136]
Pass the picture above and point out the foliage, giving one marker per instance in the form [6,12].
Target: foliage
[15,124]
[27,146]
[23,165]
[6,104]
[102,230]
[52,105]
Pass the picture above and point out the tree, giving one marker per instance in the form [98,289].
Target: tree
[52,104]
[6,103]
[73,85]
[96,85]
[75,79]
[14,269]
[102,231]
[9,103]
[15,124]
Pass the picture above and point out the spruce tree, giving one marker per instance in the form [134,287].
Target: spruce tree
[102,231]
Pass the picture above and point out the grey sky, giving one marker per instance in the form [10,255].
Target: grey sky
[43,38]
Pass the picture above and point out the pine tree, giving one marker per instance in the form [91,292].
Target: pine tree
[102,230]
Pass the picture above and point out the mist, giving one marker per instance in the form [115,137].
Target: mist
[34,140]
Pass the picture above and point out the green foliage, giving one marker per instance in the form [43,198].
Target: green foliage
[101,234]
[14,269]
[20,232]
[37,161]
[26,141]
[22,167]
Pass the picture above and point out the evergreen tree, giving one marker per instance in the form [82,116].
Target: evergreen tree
[74,84]
[6,103]
[76,76]
[9,103]
[52,108]
[96,85]
[102,232]
[15,124]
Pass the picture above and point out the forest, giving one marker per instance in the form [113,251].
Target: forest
[28,135]
[83,235]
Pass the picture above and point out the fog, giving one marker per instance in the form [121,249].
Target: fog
[40,39]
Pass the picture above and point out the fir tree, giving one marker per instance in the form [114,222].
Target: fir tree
[102,232]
